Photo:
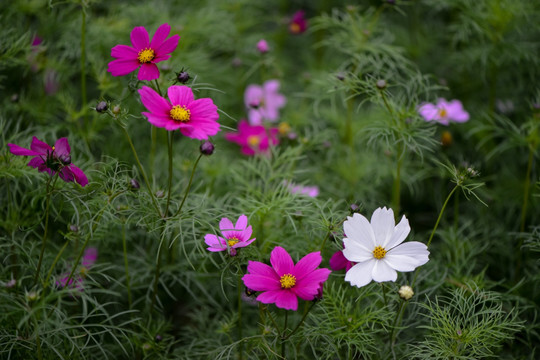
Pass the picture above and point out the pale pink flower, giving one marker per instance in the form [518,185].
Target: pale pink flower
[264,102]
[444,112]
[234,236]
[262,46]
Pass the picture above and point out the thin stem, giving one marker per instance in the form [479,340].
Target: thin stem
[526,191]
[456,211]
[348,125]
[153,137]
[240,336]
[142,172]
[156,274]
[189,185]
[301,321]
[283,338]
[398,315]
[170,147]
[38,342]
[83,63]
[157,87]
[54,264]
[325,240]
[396,189]
[384,294]
[126,264]
[44,240]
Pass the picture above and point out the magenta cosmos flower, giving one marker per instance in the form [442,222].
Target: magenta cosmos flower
[52,159]
[196,119]
[262,46]
[444,111]
[338,261]
[284,281]
[88,260]
[234,236]
[254,139]
[144,53]
[298,23]
[264,102]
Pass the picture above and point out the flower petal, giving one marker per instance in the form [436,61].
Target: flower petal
[78,175]
[307,265]
[167,47]
[383,272]
[154,102]
[281,261]
[139,38]
[180,95]
[401,263]
[382,223]
[226,224]
[122,67]
[358,228]
[338,261]
[160,35]
[259,268]
[203,110]
[260,283]
[309,285]
[287,300]
[18,150]
[124,52]
[241,223]
[413,249]
[148,72]
[61,147]
[40,146]
[400,233]
[37,163]
[356,251]
[360,274]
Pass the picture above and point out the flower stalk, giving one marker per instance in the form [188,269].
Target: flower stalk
[44,240]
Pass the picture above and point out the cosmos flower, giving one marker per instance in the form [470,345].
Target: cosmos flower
[262,46]
[88,260]
[339,262]
[298,23]
[254,139]
[52,159]
[144,53]
[284,281]
[196,119]
[377,248]
[234,236]
[311,191]
[264,102]
[444,112]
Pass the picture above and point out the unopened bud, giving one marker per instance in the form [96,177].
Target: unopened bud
[406,292]
[207,148]
[73,228]
[116,109]
[101,107]
[159,338]
[134,184]
[381,84]
[183,77]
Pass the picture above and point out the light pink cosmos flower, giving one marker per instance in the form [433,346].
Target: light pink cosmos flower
[443,111]
[284,281]
[298,23]
[196,119]
[234,236]
[88,260]
[311,191]
[52,159]
[144,53]
[262,46]
[254,139]
[264,102]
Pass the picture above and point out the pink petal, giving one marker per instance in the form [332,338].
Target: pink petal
[281,261]
[40,146]
[244,235]
[122,67]
[308,286]
[203,110]
[17,150]
[38,163]
[61,147]
[90,256]
[428,111]
[242,244]
[66,174]
[269,297]
[307,265]
[253,95]
[226,224]
[148,72]
[154,102]
[286,300]
[338,261]
[139,38]
[124,52]
[79,175]
[241,223]
[168,46]
[160,35]
[259,268]
[255,116]
[180,95]
[212,240]
[160,121]
[271,86]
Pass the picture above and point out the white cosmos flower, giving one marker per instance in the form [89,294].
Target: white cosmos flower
[377,248]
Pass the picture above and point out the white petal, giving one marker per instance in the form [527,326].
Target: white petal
[355,251]
[358,228]
[382,222]
[400,233]
[401,262]
[382,272]
[412,249]
[360,274]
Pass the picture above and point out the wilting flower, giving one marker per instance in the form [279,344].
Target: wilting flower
[254,139]
[144,53]
[264,102]
[284,281]
[377,248]
[52,159]
[88,260]
[234,236]
[298,23]
[338,261]
[444,112]
[262,46]
[311,191]
[196,119]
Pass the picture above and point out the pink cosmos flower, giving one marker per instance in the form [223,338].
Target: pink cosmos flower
[284,281]
[196,119]
[264,102]
[298,23]
[444,112]
[254,139]
[88,260]
[144,53]
[338,261]
[262,46]
[52,159]
[234,236]
[311,191]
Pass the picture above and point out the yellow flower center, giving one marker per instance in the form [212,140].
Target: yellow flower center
[84,271]
[287,281]
[180,113]
[253,140]
[284,128]
[443,113]
[53,148]
[146,55]
[295,28]
[232,241]
[379,252]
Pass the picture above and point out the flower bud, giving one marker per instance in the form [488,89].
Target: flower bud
[11,283]
[32,296]
[160,194]
[146,346]
[73,228]
[381,84]
[134,184]
[183,77]
[116,109]
[406,292]
[101,107]
[159,338]
[207,148]
[262,46]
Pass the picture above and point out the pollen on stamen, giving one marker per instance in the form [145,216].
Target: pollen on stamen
[443,113]
[287,281]
[379,252]
[232,241]
[253,140]
[146,55]
[180,113]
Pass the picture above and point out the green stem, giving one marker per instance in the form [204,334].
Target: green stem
[526,191]
[83,64]
[189,185]
[283,338]
[398,315]
[456,211]
[157,87]
[301,321]
[38,342]
[348,138]
[54,264]
[170,147]
[396,189]
[325,240]
[153,138]
[240,336]
[44,240]
[384,294]
[143,173]
[156,275]
[126,264]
